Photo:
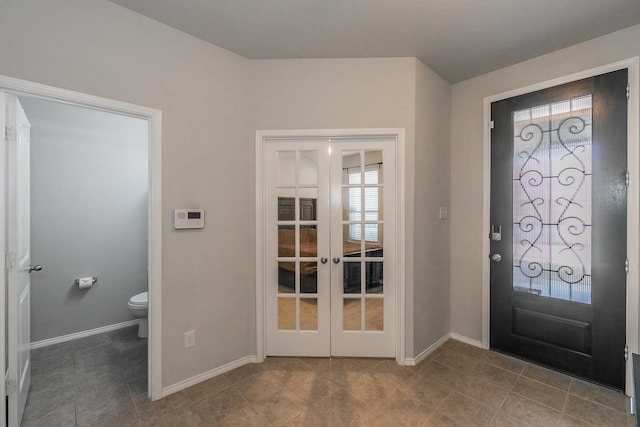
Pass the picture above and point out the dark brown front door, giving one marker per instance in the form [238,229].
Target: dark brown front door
[558,227]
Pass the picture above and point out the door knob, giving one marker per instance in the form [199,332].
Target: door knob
[34,268]
[496,257]
[323,260]
[336,259]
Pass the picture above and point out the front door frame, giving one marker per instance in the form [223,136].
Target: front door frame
[154,118]
[262,138]
[633,198]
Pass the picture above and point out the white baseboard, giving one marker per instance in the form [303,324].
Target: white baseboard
[416,360]
[207,375]
[74,336]
[465,340]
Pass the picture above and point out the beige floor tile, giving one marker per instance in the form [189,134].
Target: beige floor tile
[339,409]
[502,420]
[466,411]
[217,407]
[147,408]
[547,376]
[439,420]
[371,387]
[594,413]
[458,361]
[569,421]
[280,407]
[184,416]
[404,409]
[443,374]
[541,393]
[428,392]
[534,413]
[246,417]
[496,376]
[505,362]
[613,399]
[260,386]
[207,388]
[243,372]
[482,391]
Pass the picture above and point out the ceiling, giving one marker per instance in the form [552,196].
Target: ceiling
[458,39]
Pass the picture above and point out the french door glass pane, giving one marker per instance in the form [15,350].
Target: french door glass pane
[287,314]
[351,314]
[374,314]
[308,314]
[308,168]
[552,174]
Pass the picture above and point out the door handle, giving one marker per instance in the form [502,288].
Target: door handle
[34,268]
[323,260]
[496,257]
[336,259]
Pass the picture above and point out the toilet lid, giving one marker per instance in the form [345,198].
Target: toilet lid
[140,299]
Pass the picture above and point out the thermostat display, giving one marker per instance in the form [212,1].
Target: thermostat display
[188,218]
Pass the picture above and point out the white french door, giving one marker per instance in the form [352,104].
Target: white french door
[330,246]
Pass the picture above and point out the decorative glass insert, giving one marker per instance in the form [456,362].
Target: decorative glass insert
[552,177]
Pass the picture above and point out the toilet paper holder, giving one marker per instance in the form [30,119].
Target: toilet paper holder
[94,279]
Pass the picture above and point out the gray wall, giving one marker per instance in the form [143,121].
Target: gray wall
[466,158]
[430,299]
[89,201]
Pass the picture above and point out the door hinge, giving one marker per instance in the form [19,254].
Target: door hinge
[626,352]
[626,178]
[11,386]
[491,124]
[9,134]
[626,266]
[628,90]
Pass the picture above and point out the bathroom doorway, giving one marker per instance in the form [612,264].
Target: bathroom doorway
[84,221]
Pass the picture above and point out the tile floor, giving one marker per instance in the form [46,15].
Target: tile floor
[458,385]
[86,381]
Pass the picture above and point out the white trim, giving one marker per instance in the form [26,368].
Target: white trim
[261,138]
[633,203]
[465,340]
[413,361]
[174,388]
[83,334]
[154,117]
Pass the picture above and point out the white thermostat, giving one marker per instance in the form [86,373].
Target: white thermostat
[188,218]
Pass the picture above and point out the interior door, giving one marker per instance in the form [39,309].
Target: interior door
[558,227]
[297,238]
[19,257]
[330,245]
[363,248]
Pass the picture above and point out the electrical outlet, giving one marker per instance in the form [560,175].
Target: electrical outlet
[189,339]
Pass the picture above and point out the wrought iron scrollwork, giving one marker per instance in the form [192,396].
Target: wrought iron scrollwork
[552,215]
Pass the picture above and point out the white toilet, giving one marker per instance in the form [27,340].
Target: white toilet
[138,306]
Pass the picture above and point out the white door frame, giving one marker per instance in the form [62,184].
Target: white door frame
[154,118]
[633,197]
[262,138]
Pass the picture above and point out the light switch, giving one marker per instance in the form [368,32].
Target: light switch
[444,213]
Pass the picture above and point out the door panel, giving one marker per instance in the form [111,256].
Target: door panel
[19,251]
[362,286]
[558,219]
[297,237]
